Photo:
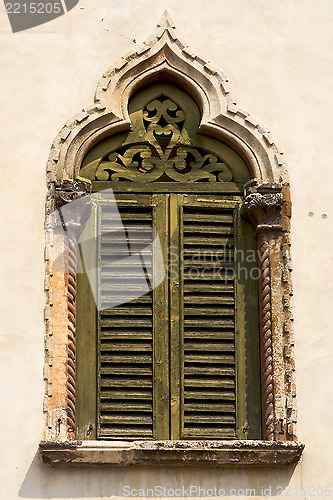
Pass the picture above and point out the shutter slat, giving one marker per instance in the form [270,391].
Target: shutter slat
[209,419]
[125,346]
[215,254]
[211,395]
[209,267]
[127,382]
[138,216]
[208,299]
[122,432]
[119,273]
[212,346]
[210,407]
[118,251]
[194,310]
[125,419]
[197,274]
[213,323]
[209,433]
[118,395]
[214,371]
[207,218]
[113,287]
[208,383]
[208,358]
[122,298]
[126,358]
[212,228]
[213,240]
[124,322]
[130,370]
[142,310]
[125,407]
[125,334]
[202,287]
[218,334]
[113,239]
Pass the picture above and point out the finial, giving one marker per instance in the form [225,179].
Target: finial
[166,21]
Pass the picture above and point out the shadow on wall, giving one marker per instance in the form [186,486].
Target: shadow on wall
[44,481]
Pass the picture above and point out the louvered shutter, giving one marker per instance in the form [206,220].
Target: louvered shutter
[209,323]
[132,362]
[176,358]
[206,330]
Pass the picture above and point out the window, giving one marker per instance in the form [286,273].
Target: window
[177,362]
[167,347]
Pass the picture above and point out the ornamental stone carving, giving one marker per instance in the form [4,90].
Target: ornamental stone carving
[263,210]
[158,147]
[72,207]
[69,190]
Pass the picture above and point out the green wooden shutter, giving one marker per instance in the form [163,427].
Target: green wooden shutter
[132,336]
[206,333]
[181,360]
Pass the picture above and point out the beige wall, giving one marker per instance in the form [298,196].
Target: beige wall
[278,57]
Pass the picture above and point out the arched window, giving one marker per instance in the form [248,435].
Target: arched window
[168,276]
[177,327]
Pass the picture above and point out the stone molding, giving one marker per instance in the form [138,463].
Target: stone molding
[176,453]
[267,205]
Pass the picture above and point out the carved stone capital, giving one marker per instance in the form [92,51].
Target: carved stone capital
[67,191]
[72,207]
[263,210]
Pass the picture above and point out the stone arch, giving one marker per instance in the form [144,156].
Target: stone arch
[165,57]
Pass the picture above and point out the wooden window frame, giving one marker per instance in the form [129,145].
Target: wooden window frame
[267,205]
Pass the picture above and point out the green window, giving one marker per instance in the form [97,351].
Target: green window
[167,303]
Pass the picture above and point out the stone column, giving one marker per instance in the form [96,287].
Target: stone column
[63,227]
[263,208]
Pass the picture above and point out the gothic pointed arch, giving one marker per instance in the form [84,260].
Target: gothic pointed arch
[164,56]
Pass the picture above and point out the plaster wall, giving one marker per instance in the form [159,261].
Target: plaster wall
[278,58]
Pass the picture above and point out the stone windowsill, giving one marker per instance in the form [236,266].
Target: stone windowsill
[199,453]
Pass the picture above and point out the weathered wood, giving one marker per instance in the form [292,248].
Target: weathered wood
[229,188]
[193,337]
[128,382]
[86,324]
[126,367]
[212,346]
[247,340]
[210,407]
[209,419]
[120,395]
[117,346]
[176,316]
[161,321]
